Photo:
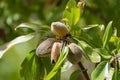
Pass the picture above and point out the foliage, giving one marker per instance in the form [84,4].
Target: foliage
[99,44]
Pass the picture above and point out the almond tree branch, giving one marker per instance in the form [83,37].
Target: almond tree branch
[84,71]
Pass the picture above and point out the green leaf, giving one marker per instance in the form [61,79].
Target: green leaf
[113,43]
[67,15]
[47,61]
[95,57]
[57,75]
[17,40]
[75,74]
[72,13]
[104,53]
[75,15]
[14,57]
[118,45]
[71,4]
[57,66]
[110,74]
[32,68]
[32,26]
[92,34]
[107,34]
[89,52]
[67,65]
[116,75]
[101,71]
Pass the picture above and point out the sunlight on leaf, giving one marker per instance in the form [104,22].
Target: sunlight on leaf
[67,65]
[90,26]
[32,26]
[110,74]
[72,13]
[75,15]
[101,71]
[17,40]
[113,43]
[95,57]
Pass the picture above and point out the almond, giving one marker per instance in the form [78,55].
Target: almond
[44,48]
[59,29]
[55,53]
[75,53]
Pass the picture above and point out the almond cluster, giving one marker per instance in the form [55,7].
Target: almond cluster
[53,46]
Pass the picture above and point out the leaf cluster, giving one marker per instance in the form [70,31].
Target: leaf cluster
[99,43]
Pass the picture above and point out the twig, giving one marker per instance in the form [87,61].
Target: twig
[84,71]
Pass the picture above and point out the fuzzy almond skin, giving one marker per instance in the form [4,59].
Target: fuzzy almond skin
[44,48]
[55,53]
[59,29]
[75,53]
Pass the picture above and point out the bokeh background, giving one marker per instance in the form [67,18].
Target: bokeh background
[14,12]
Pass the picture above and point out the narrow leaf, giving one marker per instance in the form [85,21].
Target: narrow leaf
[57,75]
[118,45]
[58,64]
[116,75]
[107,34]
[32,26]
[75,74]
[35,27]
[101,71]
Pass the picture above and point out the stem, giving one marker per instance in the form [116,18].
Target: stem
[84,71]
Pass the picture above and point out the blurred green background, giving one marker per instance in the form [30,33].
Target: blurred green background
[14,12]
